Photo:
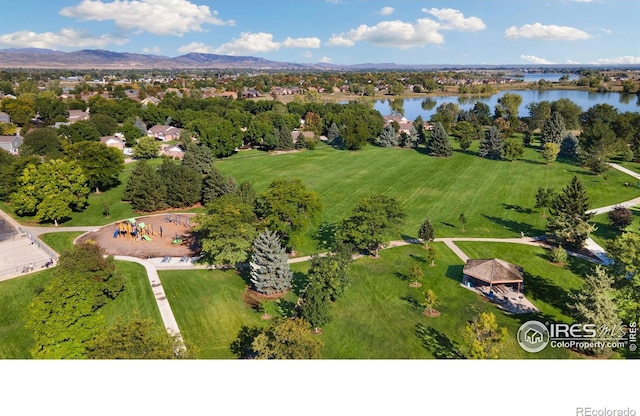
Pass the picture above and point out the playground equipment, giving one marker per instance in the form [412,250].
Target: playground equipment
[131,229]
[178,219]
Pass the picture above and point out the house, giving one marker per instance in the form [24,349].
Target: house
[230,95]
[164,133]
[116,141]
[11,143]
[150,100]
[77,115]
[4,117]
[306,135]
[483,272]
[172,151]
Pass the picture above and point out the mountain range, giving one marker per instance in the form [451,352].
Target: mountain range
[34,58]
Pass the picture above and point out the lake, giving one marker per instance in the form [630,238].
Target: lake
[413,106]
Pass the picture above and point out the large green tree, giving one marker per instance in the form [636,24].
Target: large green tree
[288,339]
[372,222]
[146,190]
[184,185]
[553,130]
[484,337]
[491,145]
[51,191]
[438,144]
[568,223]
[226,231]
[101,164]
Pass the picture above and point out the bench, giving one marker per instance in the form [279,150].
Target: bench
[166,259]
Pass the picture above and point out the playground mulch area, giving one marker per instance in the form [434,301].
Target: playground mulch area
[124,244]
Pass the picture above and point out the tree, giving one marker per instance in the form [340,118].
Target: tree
[569,111]
[507,107]
[550,152]
[491,145]
[101,164]
[513,149]
[215,185]
[331,272]
[146,189]
[51,191]
[388,137]
[334,136]
[620,217]
[64,317]
[146,148]
[466,132]
[430,301]
[41,142]
[594,304]
[79,131]
[136,339]
[559,255]
[568,224]
[226,230]
[288,205]
[184,185]
[483,113]
[438,144]
[287,339]
[569,147]
[371,222]
[416,274]
[198,157]
[270,271]
[484,337]
[315,305]
[544,197]
[411,140]
[104,124]
[463,220]
[553,130]
[426,232]
[625,251]
[538,113]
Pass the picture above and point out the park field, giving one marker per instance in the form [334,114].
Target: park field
[379,316]
[496,197]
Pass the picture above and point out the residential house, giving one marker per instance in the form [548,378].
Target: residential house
[4,117]
[11,143]
[116,141]
[299,135]
[164,133]
[77,115]
[172,151]
[150,100]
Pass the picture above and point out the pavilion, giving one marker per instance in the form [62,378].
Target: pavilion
[492,272]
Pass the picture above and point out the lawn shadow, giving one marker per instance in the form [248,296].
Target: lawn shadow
[517,208]
[532,162]
[325,236]
[542,288]
[286,308]
[437,343]
[580,267]
[454,272]
[515,226]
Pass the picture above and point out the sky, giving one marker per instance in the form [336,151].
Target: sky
[426,32]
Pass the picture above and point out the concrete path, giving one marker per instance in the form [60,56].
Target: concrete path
[166,313]
[625,170]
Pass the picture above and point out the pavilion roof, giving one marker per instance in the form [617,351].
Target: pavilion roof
[493,271]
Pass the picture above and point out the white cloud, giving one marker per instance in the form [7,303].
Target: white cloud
[572,62]
[385,11]
[403,35]
[546,32]
[451,19]
[325,59]
[250,43]
[65,38]
[536,60]
[154,49]
[158,17]
[621,60]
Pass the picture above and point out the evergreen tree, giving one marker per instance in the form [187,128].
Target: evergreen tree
[270,271]
[146,189]
[246,193]
[315,305]
[595,304]
[439,144]
[426,232]
[568,223]
[544,197]
[334,136]
[285,140]
[185,184]
[569,147]
[513,149]
[388,137]
[553,130]
[198,157]
[214,185]
[550,152]
[412,139]
[491,145]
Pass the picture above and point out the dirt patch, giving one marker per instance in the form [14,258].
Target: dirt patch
[432,313]
[173,227]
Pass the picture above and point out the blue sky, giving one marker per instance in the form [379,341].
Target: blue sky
[338,31]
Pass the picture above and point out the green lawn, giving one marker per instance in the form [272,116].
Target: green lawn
[378,317]
[605,231]
[16,295]
[497,197]
[60,242]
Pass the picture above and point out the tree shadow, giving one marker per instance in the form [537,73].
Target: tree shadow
[419,259]
[438,344]
[413,302]
[448,224]
[580,267]
[515,226]
[517,208]
[532,162]
[299,283]
[241,347]
[402,276]
[454,272]
[542,288]
[286,308]
[325,236]
[410,239]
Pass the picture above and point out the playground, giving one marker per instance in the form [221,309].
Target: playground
[151,236]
